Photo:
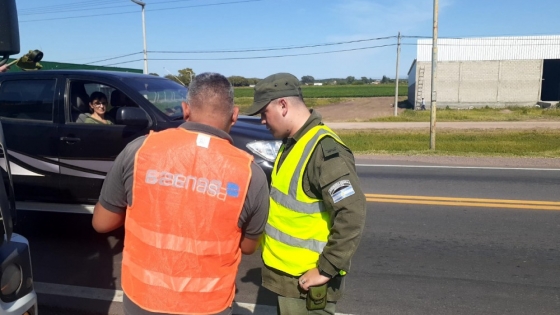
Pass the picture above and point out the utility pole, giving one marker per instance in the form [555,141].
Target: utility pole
[434,79]
[142,4]
[397,75]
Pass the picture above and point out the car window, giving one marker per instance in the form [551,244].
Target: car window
[164,94]
[27,99]
[80,93]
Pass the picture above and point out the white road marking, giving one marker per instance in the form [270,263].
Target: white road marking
[461,167]
[117,296]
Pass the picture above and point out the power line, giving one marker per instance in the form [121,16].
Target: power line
[120,63]
[254,50]
[269,49]
[114,58]
[83,4]
[498,43]
[149,10]
[96,6]
[260,57]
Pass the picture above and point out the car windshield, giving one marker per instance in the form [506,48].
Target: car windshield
[164,94]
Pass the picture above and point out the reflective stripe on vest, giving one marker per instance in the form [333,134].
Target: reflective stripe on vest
[181,248]
[298,226]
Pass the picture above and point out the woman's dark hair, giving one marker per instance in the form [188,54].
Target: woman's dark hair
[97,96]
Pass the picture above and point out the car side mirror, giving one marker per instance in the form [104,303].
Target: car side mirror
[9,29]
[131,116]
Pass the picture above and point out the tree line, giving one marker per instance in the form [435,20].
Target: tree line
[184,77]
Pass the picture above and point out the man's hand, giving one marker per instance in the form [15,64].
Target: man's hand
[312,278]
[4,68]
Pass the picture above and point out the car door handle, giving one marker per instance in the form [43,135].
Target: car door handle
[70,139]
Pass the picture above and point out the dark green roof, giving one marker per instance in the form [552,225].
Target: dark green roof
[49,65]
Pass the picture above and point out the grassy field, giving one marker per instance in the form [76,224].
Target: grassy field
[245,102]
[316,96]
[337,91]
[526,143]
[477,114]
[532,143]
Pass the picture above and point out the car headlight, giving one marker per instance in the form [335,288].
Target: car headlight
[11,279]
[265,149]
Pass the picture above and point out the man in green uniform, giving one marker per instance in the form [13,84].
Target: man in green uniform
[317,208]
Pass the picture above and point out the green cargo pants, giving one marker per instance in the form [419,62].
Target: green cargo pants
[296,306]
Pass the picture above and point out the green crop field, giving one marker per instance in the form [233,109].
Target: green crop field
[337,91]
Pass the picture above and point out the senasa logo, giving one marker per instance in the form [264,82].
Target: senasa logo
[212,188]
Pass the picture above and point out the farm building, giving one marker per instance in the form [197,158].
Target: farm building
[491,71]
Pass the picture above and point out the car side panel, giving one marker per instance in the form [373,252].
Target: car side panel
[31,143]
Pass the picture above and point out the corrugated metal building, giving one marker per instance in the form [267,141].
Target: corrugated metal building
[493,71]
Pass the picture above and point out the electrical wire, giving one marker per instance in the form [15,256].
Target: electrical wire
[150,10]
[260,57]
[113,58]
[268,49]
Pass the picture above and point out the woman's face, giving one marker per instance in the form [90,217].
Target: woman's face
[99,106]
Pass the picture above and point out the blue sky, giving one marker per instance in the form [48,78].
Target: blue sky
[82,31]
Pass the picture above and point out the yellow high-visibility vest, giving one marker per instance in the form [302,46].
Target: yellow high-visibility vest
[298,226]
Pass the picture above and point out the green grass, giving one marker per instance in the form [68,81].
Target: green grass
[531,143]
[337,91]
[245,102]
[477,114]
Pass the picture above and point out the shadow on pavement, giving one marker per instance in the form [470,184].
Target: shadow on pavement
[265,301]
[70,260]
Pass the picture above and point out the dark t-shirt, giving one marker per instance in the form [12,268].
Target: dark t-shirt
[116,194]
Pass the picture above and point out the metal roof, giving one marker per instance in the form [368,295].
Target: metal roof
[491,48]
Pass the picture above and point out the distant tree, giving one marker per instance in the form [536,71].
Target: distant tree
[252,81]
[350,79]
[385,80]
[236,80]
[154,74]
[174,78]
[365,80]
[185,75]
[307,79]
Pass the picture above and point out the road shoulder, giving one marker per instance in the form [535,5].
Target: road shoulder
[510,162]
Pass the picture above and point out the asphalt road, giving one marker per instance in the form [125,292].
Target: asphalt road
[417,256]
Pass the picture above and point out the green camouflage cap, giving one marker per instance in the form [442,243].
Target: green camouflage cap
[272,87]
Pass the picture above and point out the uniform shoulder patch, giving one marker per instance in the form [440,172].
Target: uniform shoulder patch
[341,190]
[329,147]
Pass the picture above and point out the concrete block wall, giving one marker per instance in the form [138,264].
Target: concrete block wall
[481,83]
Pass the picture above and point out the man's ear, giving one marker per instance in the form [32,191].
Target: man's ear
[283,106]
[186,110]
[233,120]
[235,115]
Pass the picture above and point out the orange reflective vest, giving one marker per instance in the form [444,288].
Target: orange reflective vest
[181,249]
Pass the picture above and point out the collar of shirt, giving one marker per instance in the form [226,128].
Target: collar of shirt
[312,121]
[198,127]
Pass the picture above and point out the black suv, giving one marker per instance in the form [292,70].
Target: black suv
[58,162]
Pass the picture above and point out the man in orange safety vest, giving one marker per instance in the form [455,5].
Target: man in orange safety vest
[191,203]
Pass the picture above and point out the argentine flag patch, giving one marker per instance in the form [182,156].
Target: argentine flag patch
[341,190]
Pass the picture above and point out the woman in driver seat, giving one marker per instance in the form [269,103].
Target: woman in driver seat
[98,107]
